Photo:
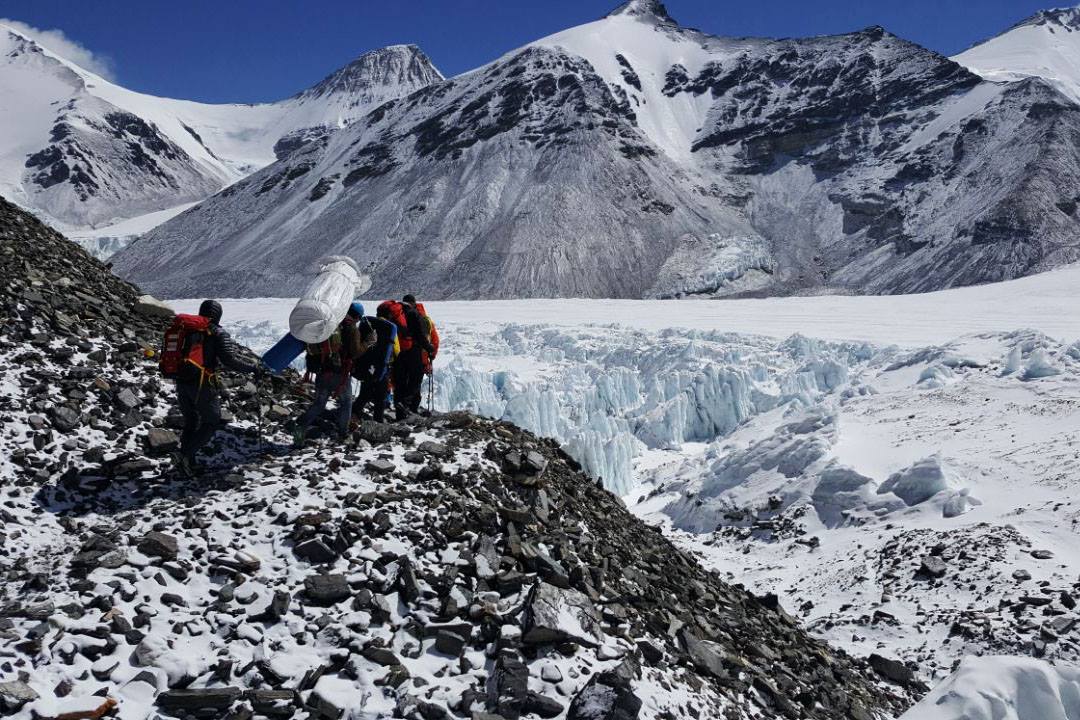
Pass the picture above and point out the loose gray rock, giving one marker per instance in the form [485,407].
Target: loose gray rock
[15,694]
[150,306]
[199,699]
[555,615]
[380,466]
[156,544]
[375,433]
[542,705]
[707,656]
[127,400]
[509,686]
[322,707]
[380,656]
[160,441]
[34,611]
[892,670]
[435,449]
[608,696]
[315,551]
[273,703]
[534,463]
[326,589]
[64,418]
[933,566]
[450,643]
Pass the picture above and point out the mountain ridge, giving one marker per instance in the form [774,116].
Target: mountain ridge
[627,158]
[167,152]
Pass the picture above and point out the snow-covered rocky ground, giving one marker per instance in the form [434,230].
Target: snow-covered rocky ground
[438,567]
[820,448]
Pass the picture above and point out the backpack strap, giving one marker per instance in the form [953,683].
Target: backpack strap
[205,374]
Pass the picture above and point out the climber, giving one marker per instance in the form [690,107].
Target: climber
[193,349]
[372,369]
[331,361]
[409,367]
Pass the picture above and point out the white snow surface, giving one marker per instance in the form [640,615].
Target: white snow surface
[1003,688]
[670,122]
[1045,46]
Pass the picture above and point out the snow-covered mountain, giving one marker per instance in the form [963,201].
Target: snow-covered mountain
[633,157]
[1046,45]
[85,153]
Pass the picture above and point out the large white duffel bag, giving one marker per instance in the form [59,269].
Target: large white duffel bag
[326,301]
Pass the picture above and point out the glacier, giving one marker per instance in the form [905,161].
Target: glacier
[806,464]
[611,394]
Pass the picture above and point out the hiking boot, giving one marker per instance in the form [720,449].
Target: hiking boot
[185,465]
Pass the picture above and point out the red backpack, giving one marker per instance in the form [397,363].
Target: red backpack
[183,344]
[395,313]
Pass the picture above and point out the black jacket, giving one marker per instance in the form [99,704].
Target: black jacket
[374,363]
[418,328]
[218,349]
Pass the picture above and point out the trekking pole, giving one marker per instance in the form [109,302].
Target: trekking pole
[259,413]
[431,391]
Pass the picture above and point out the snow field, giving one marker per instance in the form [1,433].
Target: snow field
[1003,688]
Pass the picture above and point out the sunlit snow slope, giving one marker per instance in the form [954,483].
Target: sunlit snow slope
[1046,46]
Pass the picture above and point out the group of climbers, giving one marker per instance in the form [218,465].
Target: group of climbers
[389,354]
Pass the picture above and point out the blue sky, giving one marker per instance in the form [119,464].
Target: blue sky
[258,50]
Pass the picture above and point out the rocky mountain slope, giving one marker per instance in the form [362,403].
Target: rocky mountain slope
[633,157]
[88,154]
[442,567]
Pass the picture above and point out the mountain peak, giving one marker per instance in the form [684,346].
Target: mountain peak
[1065,18]
[391,66]
[646,10]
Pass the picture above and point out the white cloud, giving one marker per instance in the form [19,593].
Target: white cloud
[59,43]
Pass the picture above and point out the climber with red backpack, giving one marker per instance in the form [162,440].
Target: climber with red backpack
[193,349]
[331,361]
[414,360]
